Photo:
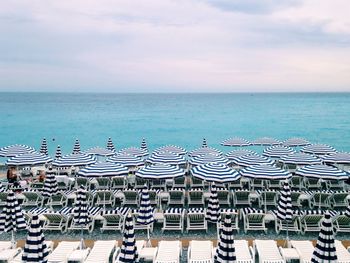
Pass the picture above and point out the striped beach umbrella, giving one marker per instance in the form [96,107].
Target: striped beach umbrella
[213,210]
[138,152]
[145,213]
[337,158]
[144,145]
[128,251]
[347,212]
[99,151]
[325,250]
[80,211]
[204,143]
[167,158]
[50,186]
[300,159]
[43,147]
[103,169]
[214,172]
[110,145]
[14,150]
[265,172]
[160,171]
[225,251]
[266,141]
[236,142]
[277,151]
[236,153]
[58,153]
[318,149]
[203,151]
[321,171]
[29,159]
[284,204]
[208,158]
[295,142]
[126,160]
[78,159]
[76,148]
[251,159]
[35,248]
[171,148]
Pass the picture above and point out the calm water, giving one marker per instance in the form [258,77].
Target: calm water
[182,119]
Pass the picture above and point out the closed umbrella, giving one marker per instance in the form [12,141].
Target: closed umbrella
[110,145]
[213,211]
[33,158]
[128,251]
[80,212]
[347,212]
[215,172]
[50,186]
[16,149]
[58,153]
[204,143]
[236,142]
[76,148]
[225,252]
[145,213]
[208,158]
[144,145]
[284,205]
[43,147]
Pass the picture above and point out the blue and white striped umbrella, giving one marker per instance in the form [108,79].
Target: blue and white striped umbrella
[160,171]
[277,151]
[325,250]
[128,251]
[103,169]
[126,160]
[284,204]
[78,159]
[214,172]
[202,151]
[144,145]
[110,145]
[337,158]
[265,172]
[204,143]
[300,159]
[29,159]
[266,141]
[171,148]
[295,142]
[43,147]
[318,149]
[50,186]
[225,251]
[99,151]
[145,213]
[35,248]
[58,153]
[208,158]
[167,158]
[138,152]
[14,150]
[236,142]
[80,210]
[76,148]
[321,171]
[236,153]
[252,159]
[213,210]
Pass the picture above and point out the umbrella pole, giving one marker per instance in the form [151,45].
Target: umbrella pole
[82,245]
[287,240]
[148,237]
[13,242]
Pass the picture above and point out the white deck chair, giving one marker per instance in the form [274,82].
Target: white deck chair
[7,255]
[104,197]
[5,245]
[200,252]
[310,222]
[304,248]
[253,219]
[169,252]
[268,251]
[32,198]
[62,252]
[174,219]
[56,221]
[113,220]
[244,252]
[102,251]
[196,219]
[342,253]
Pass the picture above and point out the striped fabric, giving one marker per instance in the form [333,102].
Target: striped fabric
[252,159]
[233,154]
[126,160]
[337,158]
[43,147]
[58,153]
[171,148]
[50,186]
[318,149]
[300,159]
[225,251]
[65,211]
[265,172]
[35,248]
[214,172]
[236,142]
[204,143]
[14,150]
[166,158]
[174,210]
[228,211]
[202,151]
[295,142]
[277,151]
[128,251]
[347,212]
[319,212]
[284,205]
[145,213]
[213,210]
[103,169]
[195,210]
[33,158]
[76,148]
[110,145]
[249,210]
[138,152]
[325,249]
[320,171]
[12,218]
[265,141]
[2,188]
[80,210]
[208,158]
[160,171]
[118,210]
[37,211]
[99,151]
[144,145]
[78,159]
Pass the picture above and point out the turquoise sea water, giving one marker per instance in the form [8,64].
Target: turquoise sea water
[182,119]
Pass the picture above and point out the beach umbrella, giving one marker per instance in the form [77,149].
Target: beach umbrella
[203,151]
[35,248]
[12,218]
[14,150]
[208,158]
[144,145]
[110,145]
[321,171]
[213,210]
[300,159]
[128,251]
[295,142]
[251,159]
[318,149]
[277,151]
[58,153]
[236,153]
[225,252]
[337,158]
[99,151]
[33,158]
[76,148]
[50,186]
[204,143]
[77,159]
[284,205]
[236,142]
[80,212]
[160,171]
[171,148]
[126,160]
[138,152]
[103,169]
[347,212]
[325,250]
[266,141]
[215,172]
[43,147]
[265,172]
[145,213]
[167,158]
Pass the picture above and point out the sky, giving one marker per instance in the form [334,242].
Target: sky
[175,45]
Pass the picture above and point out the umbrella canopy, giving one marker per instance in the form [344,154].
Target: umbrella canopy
[29,159]
[337,158]
[50,186]
[214,172]
[265,172]
[160,171]
[252,159]
[284,205]
[78,159]
[208,158]
[236,142]
[76,148]
[126,160]
[277,151]
[103,169]
[204,143]
[325,250]
[203,151]
[225,251]
[318,149]
[58,153]
[14,150]
[138,152]
[171,148]
[43,147]
[144,145]
[300,159]
[99,151]
[145,214]
[128,251]
[295,142]
[236,153]
[80,210]
[110,145]
[35,248]
[213,210]
[266,141]
[320,171]
[166,157]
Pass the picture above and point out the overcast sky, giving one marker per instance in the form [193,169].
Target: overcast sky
[175,45]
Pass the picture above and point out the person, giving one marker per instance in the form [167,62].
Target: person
[12,177]
[42,176]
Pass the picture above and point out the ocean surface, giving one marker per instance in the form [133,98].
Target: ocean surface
[181,119]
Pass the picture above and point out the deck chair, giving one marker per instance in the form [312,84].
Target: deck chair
[253,219]
[158,184]
[268,251]
[335,185]
[3,197]
[200,252]
[104,197]
[342,223]
[102,251]
[56,222]
[138,226]
[32,198]
[312,184]
[296,183]
[295,196]
[174,219]
[168,252]
[140,183]
[195,197]
[268,198]
[241,197]
[131,197]
[234,219]
[224,196]
[103,183]
[112,221]
[5,245]
[92,212]
[118,182]
[310,222]
[339,199]
[9,254]
[304,248]
[82,181]
[320,199]
[343,254]
[176,197]
[58,199]
[196,219]
[273,184]
[62,252]
[62,186]
[257,184]
[293,225]
[235,185]
[244,252]
[179,182]
[196,183]
[153,196]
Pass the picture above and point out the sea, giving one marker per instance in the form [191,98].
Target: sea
[177,119]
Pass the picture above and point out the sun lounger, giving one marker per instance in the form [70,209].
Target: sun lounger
[32,198]
[153,196]
[57,221]
[196,219]
[339,199]
[174,219]
[257,184]
[224,196]
[335,185]
[62,252]
[196,183]
[5,245]
[92,211]
[267,197]
[103,183]
[58,199]
[241,197]
[244,252]
[103,198]
[195,197]
[321,199]
[168,252]
[176,197]
[253,219]
[200,252]
[114,219]
[235,185]
[310,221]
[102,251]
[296,183]
[179,182]
[273,184]
[3,197]
[131,197]
[342,223]
[268,251]
[312,184]
[82,181]
[295,196]
[304,248]
[158,184]
[118,182]
[292,225]
[342,253]
[140,183]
